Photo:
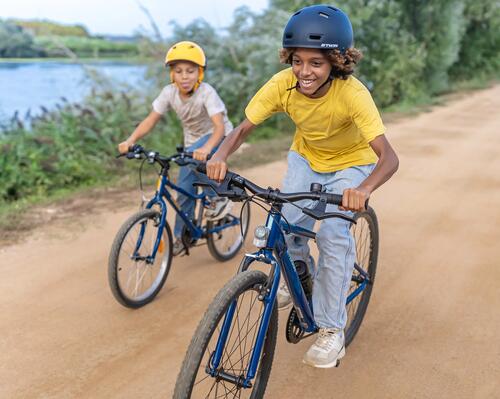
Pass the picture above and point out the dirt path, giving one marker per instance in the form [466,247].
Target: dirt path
[431,330]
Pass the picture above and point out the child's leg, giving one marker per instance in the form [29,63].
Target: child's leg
[187,176]
[186,204]
[299,177]
[336,255]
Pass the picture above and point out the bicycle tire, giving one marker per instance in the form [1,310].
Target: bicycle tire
[214,239]
[368,262]
[115,265]
[235,289]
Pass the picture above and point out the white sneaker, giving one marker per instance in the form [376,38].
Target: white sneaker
[178,247]
[218,208]
[327,350]
[283,296]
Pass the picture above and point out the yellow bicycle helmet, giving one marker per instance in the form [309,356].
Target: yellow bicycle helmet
[187,51]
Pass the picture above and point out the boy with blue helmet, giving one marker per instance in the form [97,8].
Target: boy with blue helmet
[339,142]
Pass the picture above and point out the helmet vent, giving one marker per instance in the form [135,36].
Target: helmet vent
[333,8]
[288,35]
[297,13]
[315,37]
[324,15]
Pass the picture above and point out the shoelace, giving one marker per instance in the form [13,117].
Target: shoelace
[326,338]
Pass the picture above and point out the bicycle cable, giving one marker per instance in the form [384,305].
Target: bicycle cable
[254,200]
[141,187]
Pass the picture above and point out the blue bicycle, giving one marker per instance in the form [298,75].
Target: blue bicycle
[141,254]
[232,350]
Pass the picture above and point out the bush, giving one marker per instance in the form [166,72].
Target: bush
[85,47]
[15,42]
[74,145]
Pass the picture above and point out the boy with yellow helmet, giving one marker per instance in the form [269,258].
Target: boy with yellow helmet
[204,120]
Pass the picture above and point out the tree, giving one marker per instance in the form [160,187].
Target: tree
[439,25]
[479,48]
[15,42]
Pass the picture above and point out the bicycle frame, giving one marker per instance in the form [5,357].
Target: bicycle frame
[275,253]
[162,194]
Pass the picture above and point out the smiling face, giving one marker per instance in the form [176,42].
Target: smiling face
[312,69]
[185,75]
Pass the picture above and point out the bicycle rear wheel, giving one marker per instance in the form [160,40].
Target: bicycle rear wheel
[366,237]
[225,243]
[193,380]
[135,281]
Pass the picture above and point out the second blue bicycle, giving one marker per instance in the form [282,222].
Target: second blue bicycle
[141,254]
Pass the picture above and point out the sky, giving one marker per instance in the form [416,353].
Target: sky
[124,17]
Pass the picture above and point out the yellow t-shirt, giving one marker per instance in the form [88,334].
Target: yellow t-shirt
[333,131]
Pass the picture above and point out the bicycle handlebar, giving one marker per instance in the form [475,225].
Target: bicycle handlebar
[181,157]
[233,186]
[270,194]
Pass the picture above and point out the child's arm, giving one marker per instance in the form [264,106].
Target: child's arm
[202,153]
[217,166]
[140,131]
[354,198]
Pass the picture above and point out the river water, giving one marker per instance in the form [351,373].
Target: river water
[26,86]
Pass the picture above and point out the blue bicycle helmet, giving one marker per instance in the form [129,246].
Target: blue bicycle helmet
[320,26]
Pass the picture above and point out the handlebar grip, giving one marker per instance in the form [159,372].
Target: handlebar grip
[189,154]
[202,168]
[334,199]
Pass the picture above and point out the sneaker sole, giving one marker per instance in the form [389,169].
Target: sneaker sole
[332,364]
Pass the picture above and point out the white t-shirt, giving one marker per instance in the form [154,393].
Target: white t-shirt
[195,112]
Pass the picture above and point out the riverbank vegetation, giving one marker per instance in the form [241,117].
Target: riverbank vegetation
[41,39]
[413,53]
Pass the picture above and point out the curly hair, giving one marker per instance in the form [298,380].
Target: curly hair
[342,64]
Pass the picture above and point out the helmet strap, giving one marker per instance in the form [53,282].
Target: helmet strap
[328,80]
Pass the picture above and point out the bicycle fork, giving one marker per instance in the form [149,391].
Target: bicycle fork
[267,295]
[149,259]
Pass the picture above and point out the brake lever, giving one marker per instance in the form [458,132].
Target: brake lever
[325,215]
[223,189]
[319,211]
[184,161]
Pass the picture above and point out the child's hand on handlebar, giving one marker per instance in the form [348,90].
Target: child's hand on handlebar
[354,199]
[124,146]
[202,153]
[217,168]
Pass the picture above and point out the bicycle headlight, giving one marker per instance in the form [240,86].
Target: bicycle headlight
[261,234]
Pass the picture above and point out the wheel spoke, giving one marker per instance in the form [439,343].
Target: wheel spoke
[136,279]
[363,237]
[239,346]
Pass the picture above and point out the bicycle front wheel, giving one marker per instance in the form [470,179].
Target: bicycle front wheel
[366,237]
[226,237]
[134,277]
[193,380]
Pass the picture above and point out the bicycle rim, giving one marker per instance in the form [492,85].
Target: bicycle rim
[225,243]
[237,350]
[365,234]
[137,279]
